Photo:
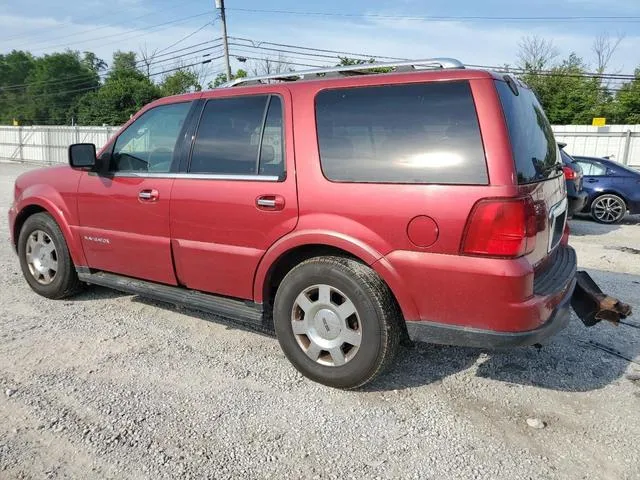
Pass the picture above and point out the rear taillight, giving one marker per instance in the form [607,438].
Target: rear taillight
[503,227]
[569,173]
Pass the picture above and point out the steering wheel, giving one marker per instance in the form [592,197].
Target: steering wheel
[130,163]
[161,166]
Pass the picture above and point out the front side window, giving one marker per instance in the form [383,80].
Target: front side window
[240,136]
[148,144]
[413,133]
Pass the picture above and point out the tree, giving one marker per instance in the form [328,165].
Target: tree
[125,90]
[626,106]
[55,84]
[124,61]
[15,69]
[604,47]
[536,54]
[180,81]
[347,61]
[91,61]
[147,59]
[566,94]
[222,78]
[269,66]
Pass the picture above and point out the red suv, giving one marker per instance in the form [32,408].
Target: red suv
[343,211]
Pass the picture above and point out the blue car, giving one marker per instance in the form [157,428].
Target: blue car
[613,188]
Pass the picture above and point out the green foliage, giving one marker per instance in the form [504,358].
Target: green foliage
[125,90]
[56,82]
[626,109]
[15,69]
[568,97]
[222,78]
[346,61]
[54,88]
[181,81]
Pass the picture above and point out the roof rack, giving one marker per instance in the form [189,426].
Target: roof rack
[360,69]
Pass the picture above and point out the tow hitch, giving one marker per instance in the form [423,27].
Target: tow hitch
[592,305]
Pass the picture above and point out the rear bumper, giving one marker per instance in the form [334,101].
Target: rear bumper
[577,202]
[473,337]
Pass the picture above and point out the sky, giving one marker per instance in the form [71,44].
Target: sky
[402,28]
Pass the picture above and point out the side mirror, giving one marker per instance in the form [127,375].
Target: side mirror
[82,155]
[610,172]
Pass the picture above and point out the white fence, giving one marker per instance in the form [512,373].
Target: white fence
[620,142]
[48,145]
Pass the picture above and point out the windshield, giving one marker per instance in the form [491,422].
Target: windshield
[535,152]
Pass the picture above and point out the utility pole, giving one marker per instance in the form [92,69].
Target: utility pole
[220,6]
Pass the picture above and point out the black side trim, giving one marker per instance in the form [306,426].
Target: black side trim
[237,310]
[561,268]
[432,332]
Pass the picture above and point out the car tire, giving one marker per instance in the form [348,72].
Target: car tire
[337,321]
[608,208]
[44,258]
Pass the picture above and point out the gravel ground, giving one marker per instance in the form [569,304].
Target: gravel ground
[115,386]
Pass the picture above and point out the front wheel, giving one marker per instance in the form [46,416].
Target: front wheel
[44,258]
[608,208]
[336,321]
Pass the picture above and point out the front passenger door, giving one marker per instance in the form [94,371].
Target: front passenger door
[124,212]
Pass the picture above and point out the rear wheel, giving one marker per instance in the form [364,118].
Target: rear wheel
[44,258]
[337,321]
[608,208]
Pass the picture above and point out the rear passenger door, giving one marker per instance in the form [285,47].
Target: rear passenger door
[594,176]
[237,194]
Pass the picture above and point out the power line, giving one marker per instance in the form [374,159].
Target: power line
[438,18]
[185,37]
[120,34]
[64,92]
[89,19]
[102,75]
[260,42]
[257,44]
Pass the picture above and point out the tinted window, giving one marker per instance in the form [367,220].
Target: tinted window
[147,144]
[594,169]
[535,151]
[418,133]
[231,133]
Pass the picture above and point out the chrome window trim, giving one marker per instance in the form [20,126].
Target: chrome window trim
[199,176]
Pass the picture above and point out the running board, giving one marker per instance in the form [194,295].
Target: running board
[240,311]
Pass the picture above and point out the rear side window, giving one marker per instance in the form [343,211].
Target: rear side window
[593,168]
[416,133]
[240,136]
[534,147]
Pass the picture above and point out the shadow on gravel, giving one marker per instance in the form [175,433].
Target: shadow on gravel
[95,292]
[579,359]
[583,225]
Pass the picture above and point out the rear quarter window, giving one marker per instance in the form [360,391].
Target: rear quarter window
[535,151]
[410,133]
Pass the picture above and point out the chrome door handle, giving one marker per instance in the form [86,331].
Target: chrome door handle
[270,202]
[148,195]
[266,202]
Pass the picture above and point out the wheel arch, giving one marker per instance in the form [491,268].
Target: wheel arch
[37,204]
[288,252]
[608,191]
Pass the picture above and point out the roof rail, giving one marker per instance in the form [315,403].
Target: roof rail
[349,69]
